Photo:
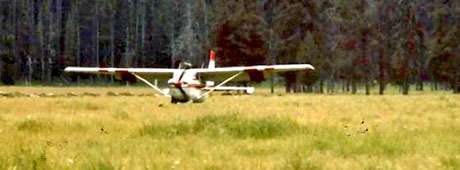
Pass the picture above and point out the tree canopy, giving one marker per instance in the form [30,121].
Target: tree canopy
[352,43]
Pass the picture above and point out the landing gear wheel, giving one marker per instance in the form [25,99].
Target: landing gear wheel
[201,100]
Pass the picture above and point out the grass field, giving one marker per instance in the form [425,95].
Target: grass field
[420,131]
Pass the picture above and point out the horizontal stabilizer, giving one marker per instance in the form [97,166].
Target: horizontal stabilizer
[248,90]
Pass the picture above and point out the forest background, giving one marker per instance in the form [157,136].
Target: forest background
[354,45]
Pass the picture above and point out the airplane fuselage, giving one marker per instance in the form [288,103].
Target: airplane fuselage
[185,86]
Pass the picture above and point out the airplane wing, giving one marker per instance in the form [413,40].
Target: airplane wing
[249,73]
[158,73]
[129,74]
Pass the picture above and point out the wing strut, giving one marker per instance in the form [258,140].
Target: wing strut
[150,84]
[221,84]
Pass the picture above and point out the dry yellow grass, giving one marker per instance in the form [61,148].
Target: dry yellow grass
[263,131]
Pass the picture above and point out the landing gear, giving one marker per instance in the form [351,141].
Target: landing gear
[151,85]
[176,101]
[199,100]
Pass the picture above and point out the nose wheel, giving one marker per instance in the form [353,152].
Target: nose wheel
[176,101]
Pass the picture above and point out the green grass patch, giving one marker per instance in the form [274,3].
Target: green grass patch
[225,125]
[372,145]
[30,158]
[343,143]
[450,162]
[120,115]
[90,106]
[166,130]
[35,125]
[80,105]
[262,128]
[300,161]
[73,126]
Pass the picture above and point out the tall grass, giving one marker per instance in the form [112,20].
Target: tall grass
[231,125]
[35,125]
[301,131]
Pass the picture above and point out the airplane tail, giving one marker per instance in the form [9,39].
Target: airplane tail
[212,59]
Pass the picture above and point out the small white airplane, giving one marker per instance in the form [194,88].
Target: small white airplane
[194,84]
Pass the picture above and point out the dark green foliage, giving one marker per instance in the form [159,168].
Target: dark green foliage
[444,68]
[241,45]
[7,70]
[356,43]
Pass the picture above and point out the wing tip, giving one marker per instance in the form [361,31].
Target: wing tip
[68,69]
[309,66]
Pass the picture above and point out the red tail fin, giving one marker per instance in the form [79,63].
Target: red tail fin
[212,59]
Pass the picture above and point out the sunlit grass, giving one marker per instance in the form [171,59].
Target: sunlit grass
[300,131]
[224,126]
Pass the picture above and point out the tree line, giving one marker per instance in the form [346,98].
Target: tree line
[353,44]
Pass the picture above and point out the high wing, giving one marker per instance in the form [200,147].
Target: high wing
[249,73]
[157,73]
